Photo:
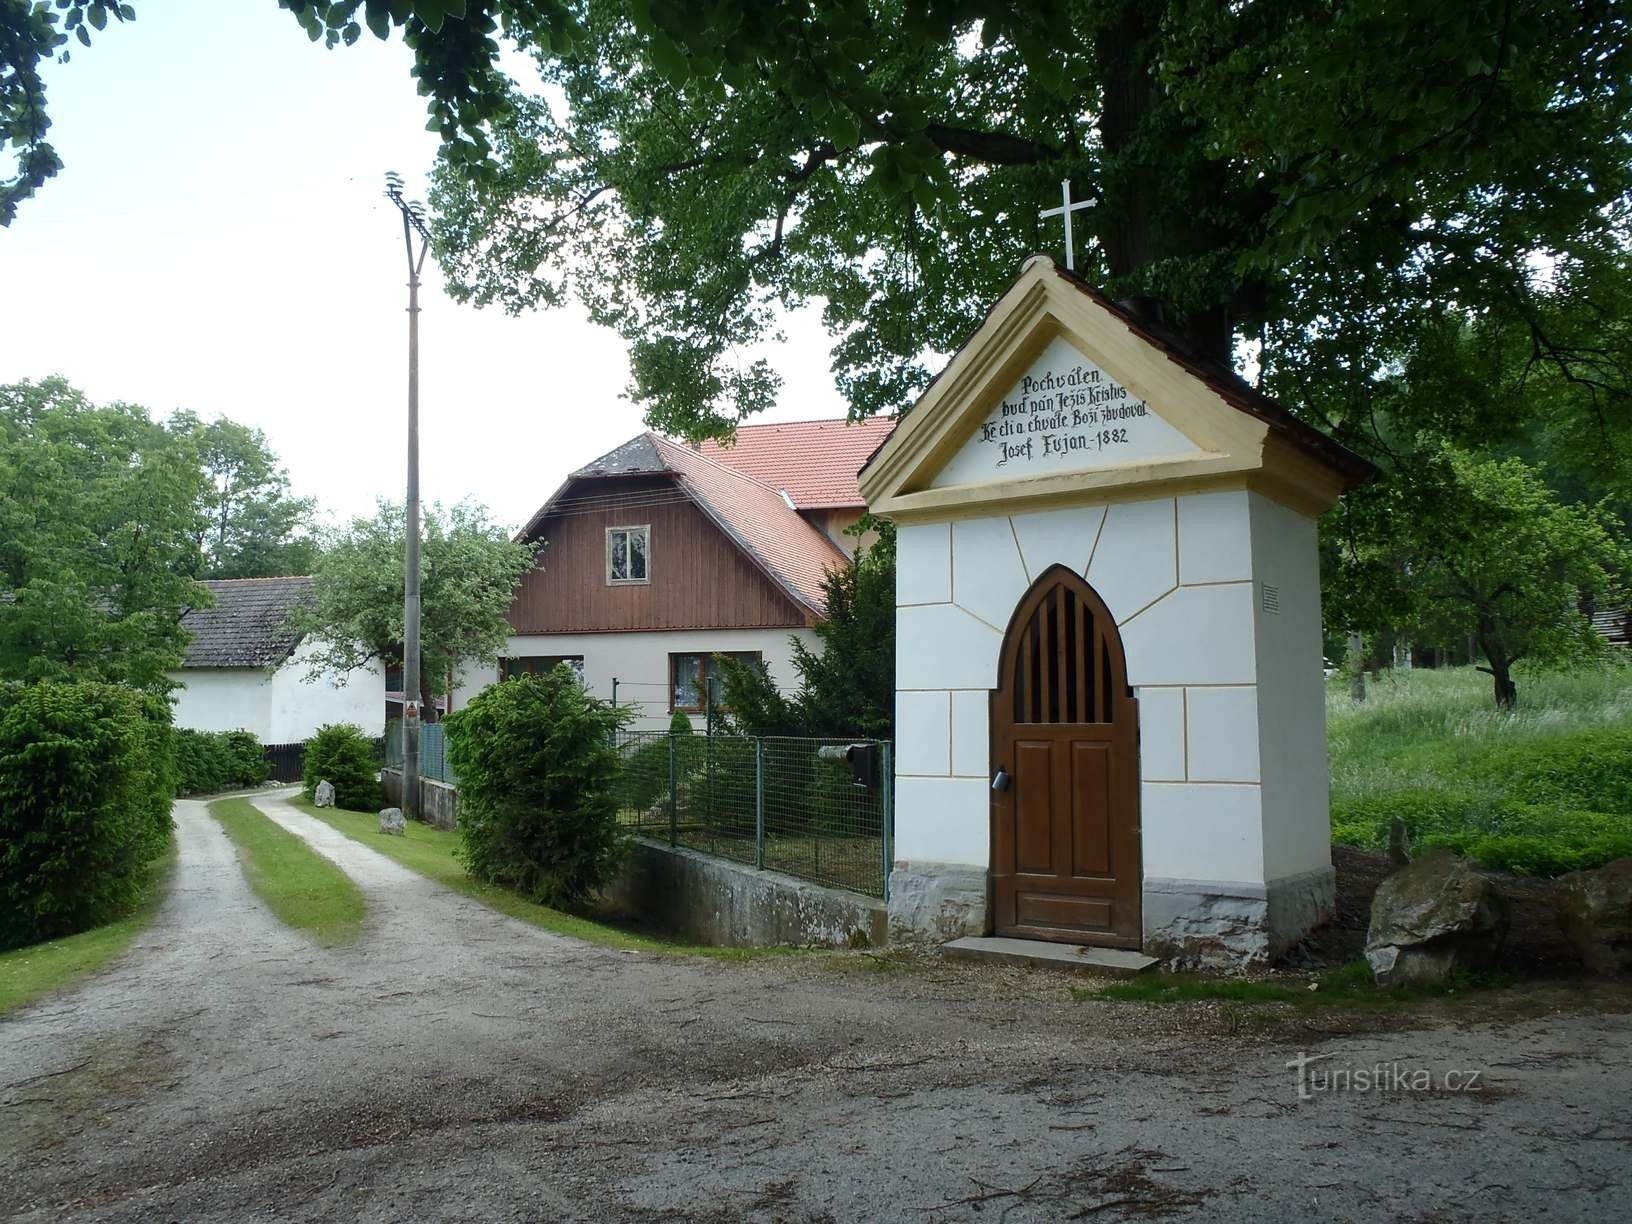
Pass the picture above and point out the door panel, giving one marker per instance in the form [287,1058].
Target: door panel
[1065,834]
[1034,838]
[1091,808]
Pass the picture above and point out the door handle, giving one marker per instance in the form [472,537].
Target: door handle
[1001,781]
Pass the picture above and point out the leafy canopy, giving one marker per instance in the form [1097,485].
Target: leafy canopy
[1476,548]
[469,571]
[255,528]
[99,523]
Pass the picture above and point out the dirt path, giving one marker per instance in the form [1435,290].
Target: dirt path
[456,1064]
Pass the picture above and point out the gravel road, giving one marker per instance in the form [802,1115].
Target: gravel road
[455,1064]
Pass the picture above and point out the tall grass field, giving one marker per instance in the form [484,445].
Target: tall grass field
[1539,790]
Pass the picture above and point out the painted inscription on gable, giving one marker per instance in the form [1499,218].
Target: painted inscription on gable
[1064,415]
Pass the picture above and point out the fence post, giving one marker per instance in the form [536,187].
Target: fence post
[674,797]
[759,802]
[886,816]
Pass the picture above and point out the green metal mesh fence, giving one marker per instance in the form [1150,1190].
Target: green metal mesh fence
[813,808]
[433,750]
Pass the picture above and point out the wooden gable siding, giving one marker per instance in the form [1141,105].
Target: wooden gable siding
[699,578]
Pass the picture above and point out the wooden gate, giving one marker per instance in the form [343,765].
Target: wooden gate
[1065,763]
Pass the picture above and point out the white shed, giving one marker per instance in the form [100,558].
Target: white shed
[246,669]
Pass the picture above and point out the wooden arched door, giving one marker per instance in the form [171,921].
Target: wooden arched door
[1065,765]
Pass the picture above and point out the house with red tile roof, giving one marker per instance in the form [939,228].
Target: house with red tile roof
[658,556]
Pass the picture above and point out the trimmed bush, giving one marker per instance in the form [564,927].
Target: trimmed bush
[341,754]
[86,779]
[208,762]
[538,775]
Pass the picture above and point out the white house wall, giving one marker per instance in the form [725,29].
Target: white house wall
[640,662]
[300,706]
[223,699]
[279,707]
[1178,574]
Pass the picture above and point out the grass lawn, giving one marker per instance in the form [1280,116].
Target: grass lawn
[298,884]
[430,852]
[28,973]
[1538,790]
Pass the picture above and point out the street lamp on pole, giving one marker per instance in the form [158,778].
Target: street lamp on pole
[413,225]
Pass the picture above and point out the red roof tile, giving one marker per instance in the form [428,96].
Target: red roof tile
[815,462]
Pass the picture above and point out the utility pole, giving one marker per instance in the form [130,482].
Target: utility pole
[413,224]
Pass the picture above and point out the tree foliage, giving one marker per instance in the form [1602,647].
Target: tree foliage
[255,528]
[847,688]
[469,571]
[1470,547]
[99,524]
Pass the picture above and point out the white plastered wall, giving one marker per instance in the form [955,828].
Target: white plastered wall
[1178,573]
[640,662]
[299,706]
[282,706]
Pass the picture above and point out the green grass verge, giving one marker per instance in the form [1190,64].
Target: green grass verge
[304,889]
[1539,790]
[27,974]
[431,853]
[1349,986]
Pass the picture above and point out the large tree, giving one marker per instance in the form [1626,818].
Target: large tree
[469,571]
[255,529]
[1477,549]
[98,538]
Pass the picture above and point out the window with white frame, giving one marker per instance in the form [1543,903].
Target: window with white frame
[628,555]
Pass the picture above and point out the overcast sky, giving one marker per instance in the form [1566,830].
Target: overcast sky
[218,241]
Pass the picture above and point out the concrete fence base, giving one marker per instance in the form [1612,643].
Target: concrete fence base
[438,802]
[714,901]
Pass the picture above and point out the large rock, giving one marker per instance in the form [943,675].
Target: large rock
[325,794]
[1432,918]
[391,821]
[1594,911]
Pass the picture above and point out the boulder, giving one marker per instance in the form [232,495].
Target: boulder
[1432,918]
[1594,910]
[325,794]
[391,821]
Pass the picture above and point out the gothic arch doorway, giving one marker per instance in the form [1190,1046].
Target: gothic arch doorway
[1065,762]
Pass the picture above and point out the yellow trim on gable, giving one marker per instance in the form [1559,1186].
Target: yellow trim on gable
[1238,450]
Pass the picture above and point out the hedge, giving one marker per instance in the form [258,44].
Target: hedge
[86,780]
[211,761]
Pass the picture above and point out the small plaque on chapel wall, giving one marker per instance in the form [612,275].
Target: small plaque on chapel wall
[1064,415]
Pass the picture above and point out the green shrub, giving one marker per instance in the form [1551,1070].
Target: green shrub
[679,723]
[341,754]
[208,762]
[538,777]
[86,779]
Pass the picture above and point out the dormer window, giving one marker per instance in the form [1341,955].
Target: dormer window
[628,555]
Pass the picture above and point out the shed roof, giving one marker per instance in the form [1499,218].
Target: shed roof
[249,624]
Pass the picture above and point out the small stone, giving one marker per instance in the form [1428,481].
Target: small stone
[1434,918]
[325,794]
[1594,910]
[392,822]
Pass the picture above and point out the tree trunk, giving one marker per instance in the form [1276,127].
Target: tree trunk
[1507,693]
[1357,665]
[427,704]
[1157,193]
